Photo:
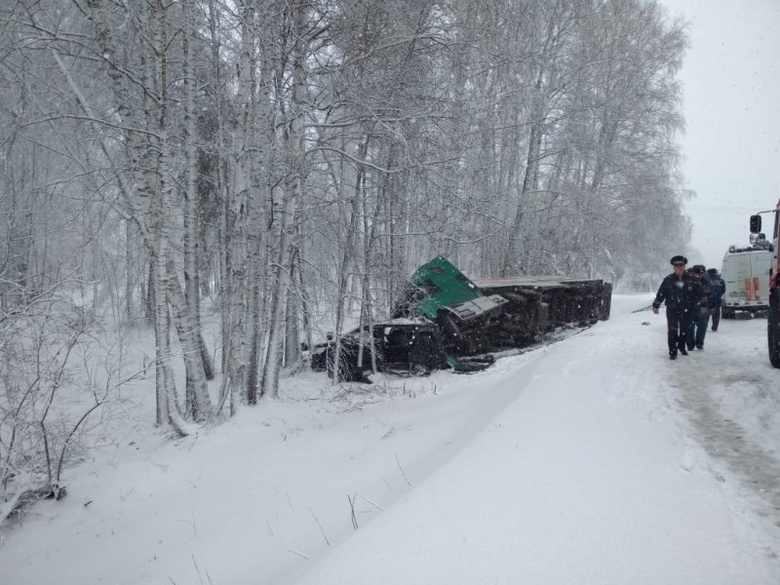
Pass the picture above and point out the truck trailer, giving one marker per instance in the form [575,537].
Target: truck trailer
[446,320]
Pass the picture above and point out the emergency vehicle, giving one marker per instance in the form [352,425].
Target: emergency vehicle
[746,274]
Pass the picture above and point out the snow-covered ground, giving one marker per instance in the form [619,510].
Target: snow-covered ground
[594,460]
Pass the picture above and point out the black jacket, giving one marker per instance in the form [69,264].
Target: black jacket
[681,293]
[717,289]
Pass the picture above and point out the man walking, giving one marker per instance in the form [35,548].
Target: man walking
[679,291]
[700,313]
[715,298]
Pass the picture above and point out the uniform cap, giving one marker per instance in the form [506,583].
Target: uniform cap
[678,260]
[699,269]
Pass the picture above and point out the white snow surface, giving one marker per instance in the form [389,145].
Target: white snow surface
[594,460]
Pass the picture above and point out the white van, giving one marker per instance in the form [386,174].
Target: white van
[746,274]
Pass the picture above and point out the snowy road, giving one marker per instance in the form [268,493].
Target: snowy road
[612,465]
[592,461]
[726,368]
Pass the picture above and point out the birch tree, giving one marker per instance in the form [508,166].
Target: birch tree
[146,134]
[286,200]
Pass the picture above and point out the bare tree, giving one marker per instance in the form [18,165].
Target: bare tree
[293,162]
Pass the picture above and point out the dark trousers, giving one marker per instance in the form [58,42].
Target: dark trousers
[697,329]
[678,322]
[715,312]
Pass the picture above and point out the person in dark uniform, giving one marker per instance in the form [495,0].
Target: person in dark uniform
[679,291]
[715,298]
[700,313]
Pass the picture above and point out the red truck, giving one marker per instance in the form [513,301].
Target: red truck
[773,315]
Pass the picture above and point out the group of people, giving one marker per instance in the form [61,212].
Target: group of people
[692,296]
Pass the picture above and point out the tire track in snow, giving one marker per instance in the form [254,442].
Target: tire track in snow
[725,440]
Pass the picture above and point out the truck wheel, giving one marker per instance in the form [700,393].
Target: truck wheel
[773,333]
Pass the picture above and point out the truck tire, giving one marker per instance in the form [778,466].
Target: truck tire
[773,331]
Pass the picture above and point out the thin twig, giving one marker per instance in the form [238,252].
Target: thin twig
[352,509]
[320,526]
[373,503]
[299,553]
[409,483]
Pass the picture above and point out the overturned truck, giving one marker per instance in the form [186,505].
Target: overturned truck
[444,319]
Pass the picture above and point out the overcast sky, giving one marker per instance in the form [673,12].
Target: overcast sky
[731,146]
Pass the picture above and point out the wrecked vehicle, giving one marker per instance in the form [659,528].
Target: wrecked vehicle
[444,319]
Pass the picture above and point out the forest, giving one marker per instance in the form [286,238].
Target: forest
[285,165]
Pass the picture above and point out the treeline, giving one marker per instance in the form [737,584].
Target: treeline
[293,159]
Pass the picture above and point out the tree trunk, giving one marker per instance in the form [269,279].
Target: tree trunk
[239,333]
[292,193]
[197,399]
[191,221]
